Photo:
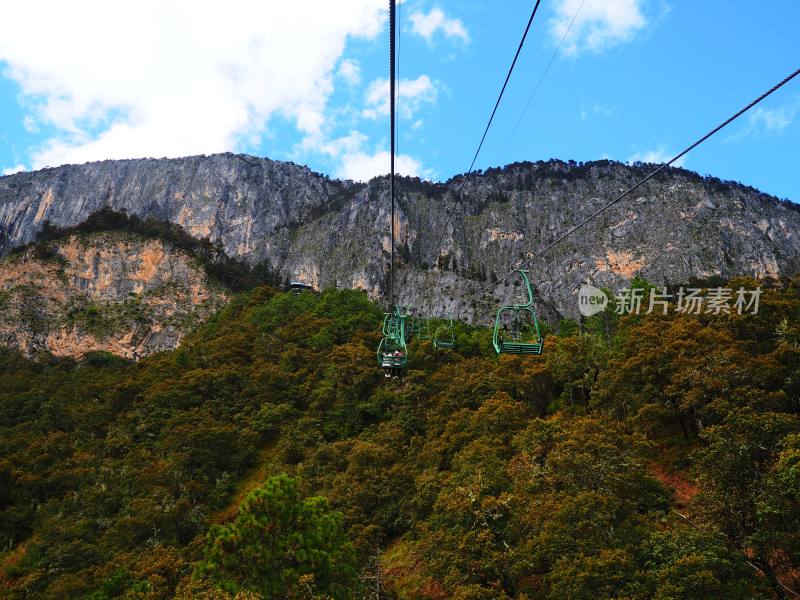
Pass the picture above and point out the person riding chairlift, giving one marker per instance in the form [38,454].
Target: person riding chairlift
[505,330]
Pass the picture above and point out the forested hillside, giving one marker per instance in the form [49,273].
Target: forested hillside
[641,457]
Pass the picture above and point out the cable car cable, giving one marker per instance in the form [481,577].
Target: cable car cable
[392,109]
[639,183]
[397,79]
[392,352]
[541,79]
[486,130]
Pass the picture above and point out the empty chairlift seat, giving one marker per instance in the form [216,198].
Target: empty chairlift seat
[444,338]
[516,328]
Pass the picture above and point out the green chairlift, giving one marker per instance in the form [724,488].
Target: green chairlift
[516,329]
[392,351]
[421,328]
[444,336]
[412,329]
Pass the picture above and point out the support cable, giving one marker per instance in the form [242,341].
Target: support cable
[486,130]
[524,262]
[392,108]
[541,79]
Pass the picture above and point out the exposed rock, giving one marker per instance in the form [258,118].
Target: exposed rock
[112,291]
[676,227]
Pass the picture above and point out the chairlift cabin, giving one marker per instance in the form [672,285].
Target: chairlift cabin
[296,287]
[421,328]
[392,351]
[444,336]
[516,328]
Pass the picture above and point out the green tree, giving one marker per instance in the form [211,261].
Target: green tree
[575,364]
[280,545]
[778,505]
[747,482]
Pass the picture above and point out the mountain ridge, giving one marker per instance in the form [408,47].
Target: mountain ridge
[305,225]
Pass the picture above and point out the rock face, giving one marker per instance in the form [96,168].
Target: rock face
[678,227]
[112,291]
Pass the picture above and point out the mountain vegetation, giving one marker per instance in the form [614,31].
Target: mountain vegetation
[641,457]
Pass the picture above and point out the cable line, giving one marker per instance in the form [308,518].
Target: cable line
[541,79]
[392,352]
[397,79]
[562,237]
[486,130]
[392,108]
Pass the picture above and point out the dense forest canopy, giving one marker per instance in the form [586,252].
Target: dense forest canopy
[641,457]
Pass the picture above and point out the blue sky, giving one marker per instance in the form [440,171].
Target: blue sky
[306,81]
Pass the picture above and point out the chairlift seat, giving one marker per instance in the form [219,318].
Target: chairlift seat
[520,348]
[518,345]
[394,340]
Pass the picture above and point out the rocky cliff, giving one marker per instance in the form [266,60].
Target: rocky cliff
[678,227]
[111,292]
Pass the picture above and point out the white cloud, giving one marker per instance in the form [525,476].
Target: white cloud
[361,166]
[657,156]
[436,21]
[30,125]
[175,78]
[770,121]
[601,24]
[595,109]
[413,94]
[355,161]
[774,120]
[334,148]
[350,70]
[14,169]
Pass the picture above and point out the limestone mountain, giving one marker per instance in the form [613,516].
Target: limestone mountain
[300,224]
[112,292]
